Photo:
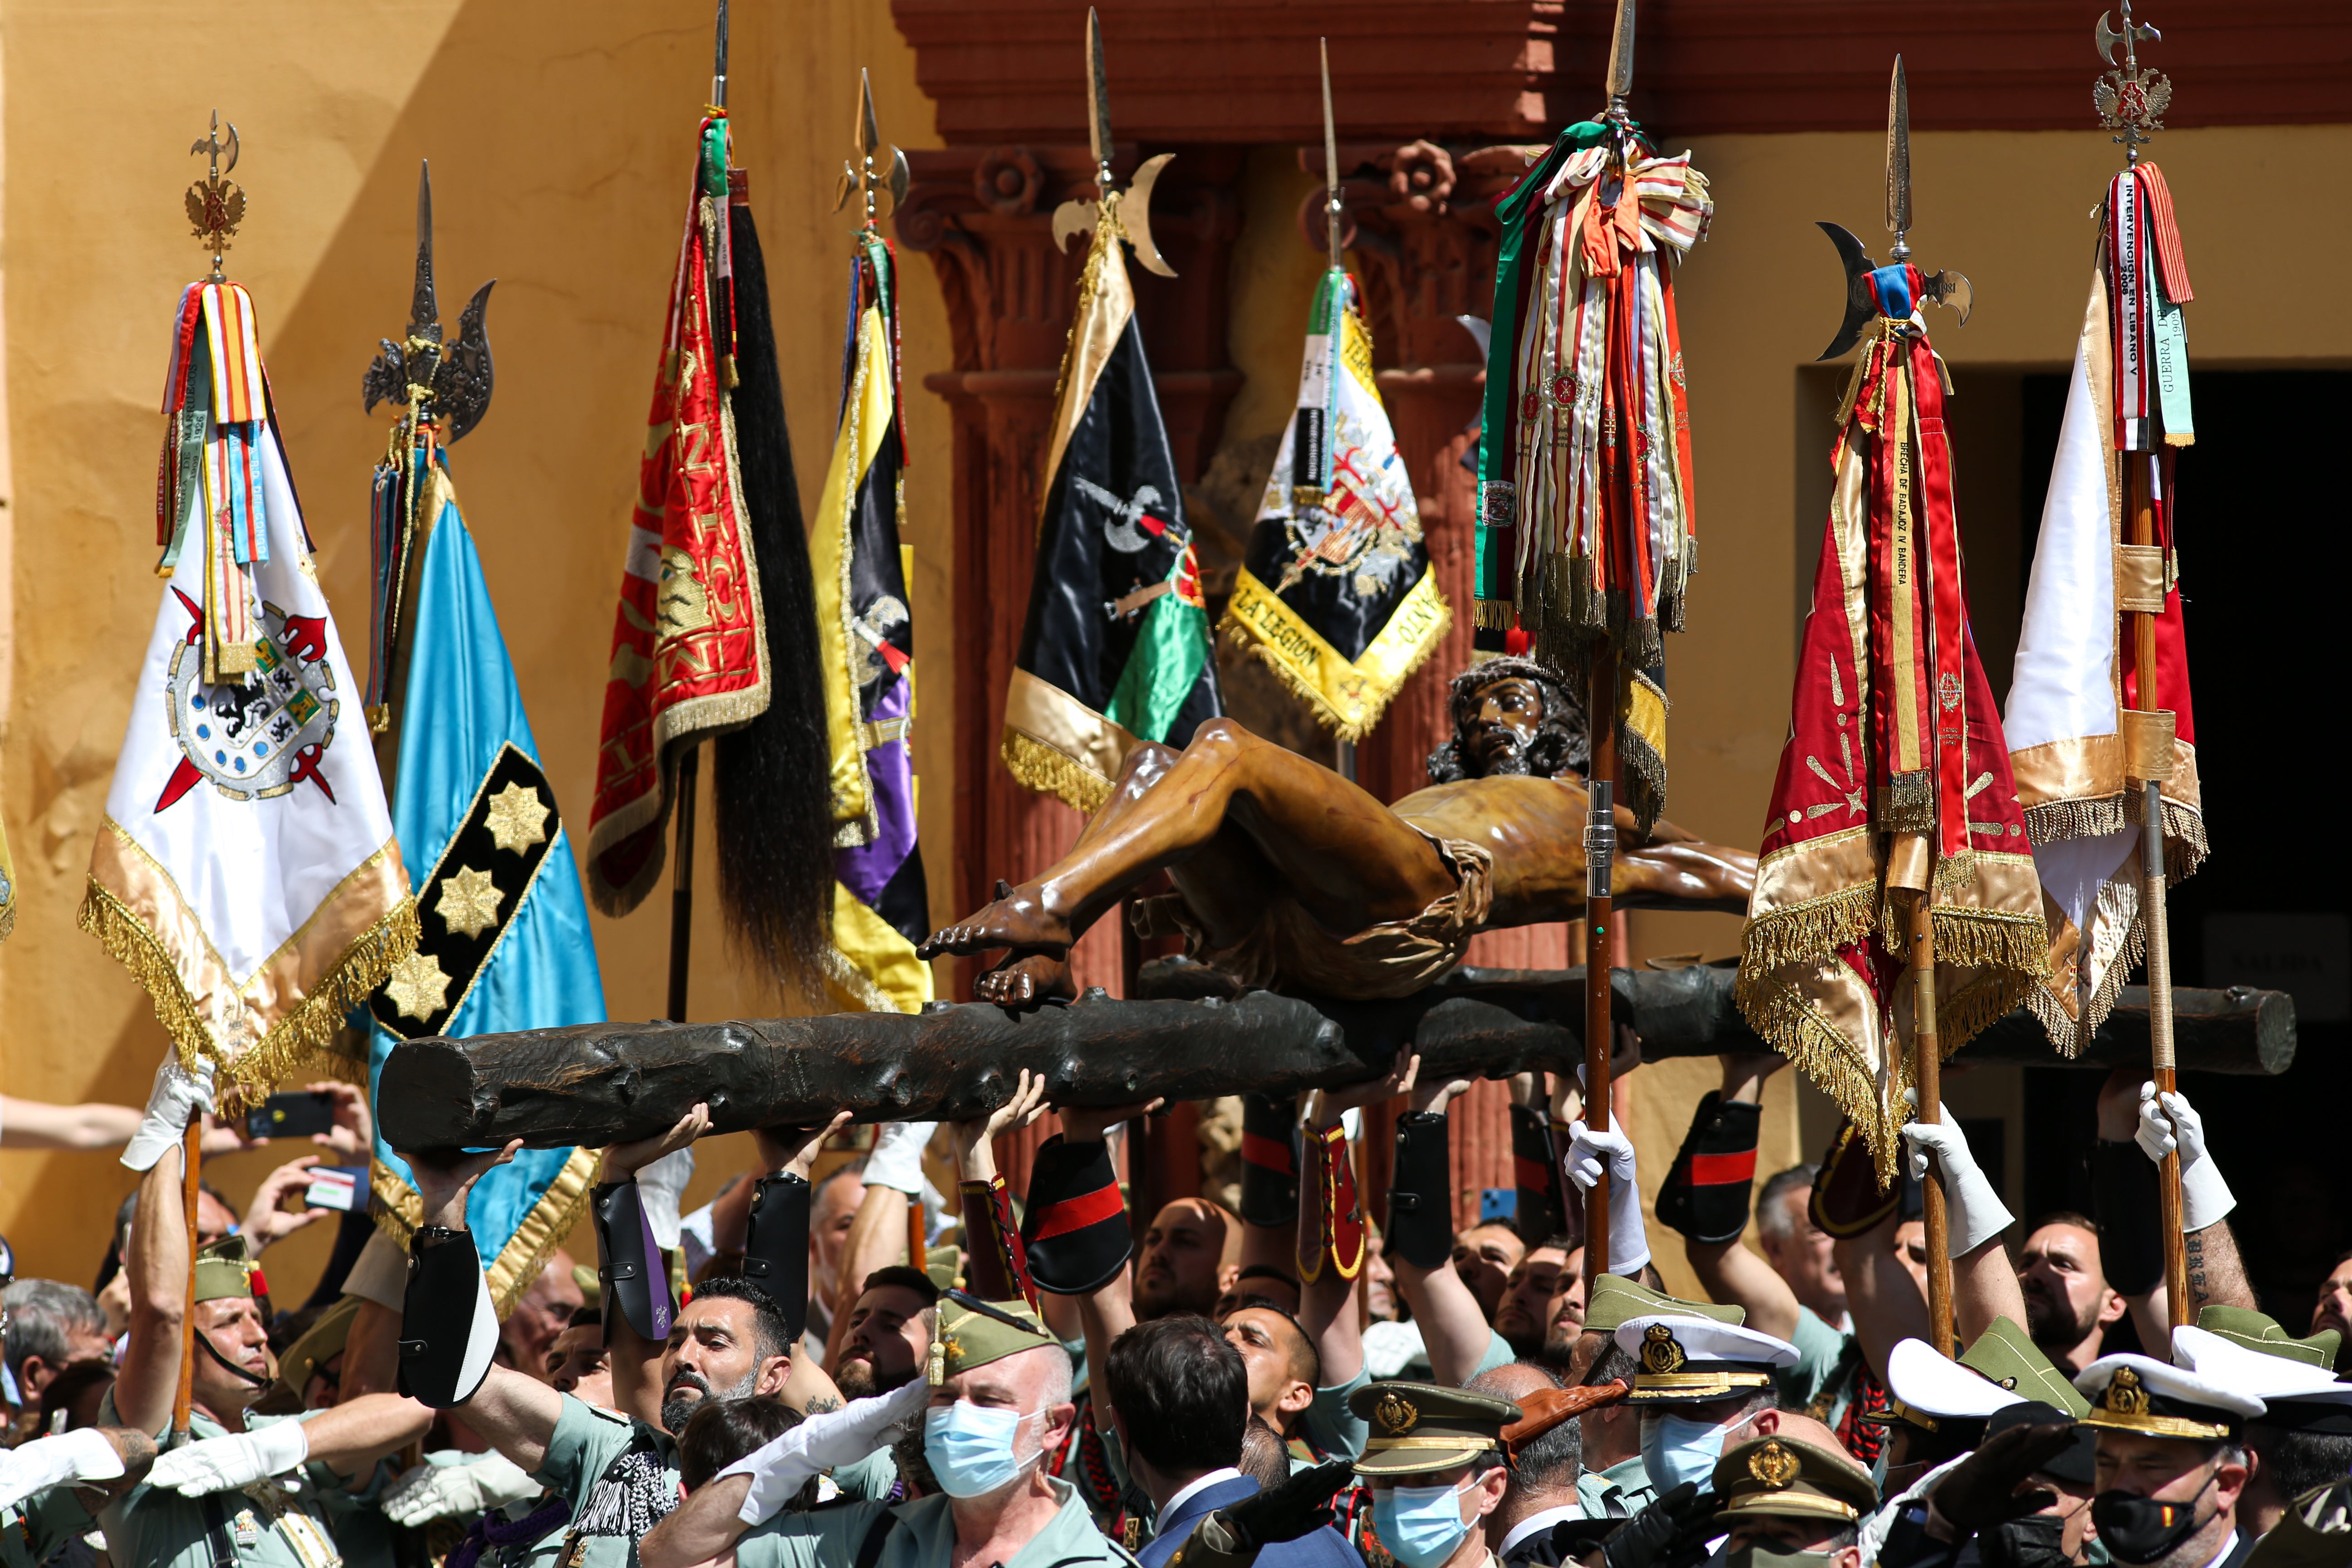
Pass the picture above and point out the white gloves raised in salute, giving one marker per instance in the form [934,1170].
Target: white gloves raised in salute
[237,1459]
[174,1100]
[1977,1214]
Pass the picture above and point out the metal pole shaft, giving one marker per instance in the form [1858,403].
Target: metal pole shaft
[1600,857]
[681,882]
[2139,499]
[1927,1074]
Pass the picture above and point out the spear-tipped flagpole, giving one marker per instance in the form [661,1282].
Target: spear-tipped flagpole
[2132,98]
[1600,725]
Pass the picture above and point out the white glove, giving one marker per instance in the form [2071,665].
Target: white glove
[45,1462]
[455,1485]
[660,1187]
[821,1443]
[174,1100]
[1629,1245]
[239,1459]
[897,1159]
[1976,1212]
[2205,1197]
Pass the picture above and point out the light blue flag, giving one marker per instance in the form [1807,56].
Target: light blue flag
[505,943]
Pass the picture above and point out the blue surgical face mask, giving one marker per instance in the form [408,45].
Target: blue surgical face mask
[970,1447]
[1420,1526]
[1676,1448]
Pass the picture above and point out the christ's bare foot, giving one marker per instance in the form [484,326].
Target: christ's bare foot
[1018,920]
[1025,980]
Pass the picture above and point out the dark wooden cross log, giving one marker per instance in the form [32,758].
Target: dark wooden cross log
[1190,1037]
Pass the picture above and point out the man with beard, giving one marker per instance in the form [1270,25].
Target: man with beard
[1290,876]
[2332,1310]
[2068,1303]
[619,1466]
[888,1340]
[2171,1463]
[1523,1313]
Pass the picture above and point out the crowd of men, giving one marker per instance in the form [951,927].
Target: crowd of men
[1283,1380]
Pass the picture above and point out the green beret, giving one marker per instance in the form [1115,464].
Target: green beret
[1615,1298]
[973,1333]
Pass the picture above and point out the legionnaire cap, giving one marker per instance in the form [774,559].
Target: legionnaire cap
[943,1267]
[2139,1393]
[1687,1361]
[2004,1367]
[973,1333]
[224,1270]
[1933,1391]
[1782,1478]
[2300,1396]
[322,1343]
[1616,1299]
[1422,1427]
[2258,1331]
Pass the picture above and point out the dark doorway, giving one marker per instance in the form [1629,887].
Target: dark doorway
[2261,551]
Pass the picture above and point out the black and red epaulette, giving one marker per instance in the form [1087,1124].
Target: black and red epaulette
[1330,1227]
[1269,1169]
[998,1269]
[1535,1170]
[1707,1190]
[1074,1231]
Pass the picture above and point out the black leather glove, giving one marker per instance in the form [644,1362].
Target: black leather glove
[1980,1491]
[1299,1506]
[1672,1532]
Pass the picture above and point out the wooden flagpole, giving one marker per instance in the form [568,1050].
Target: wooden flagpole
[1600,853]
[681,882]
[1927,1074]
[184,1402]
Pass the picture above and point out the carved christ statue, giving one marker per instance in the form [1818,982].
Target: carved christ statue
[1290,876]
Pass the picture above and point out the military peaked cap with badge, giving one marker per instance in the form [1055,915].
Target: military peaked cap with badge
[1615,1298]
[1782,1478]
[1688,1361]
[973,1333]
[2002,1368]
[2139,1393]
[1422,1427]
[2300,1393]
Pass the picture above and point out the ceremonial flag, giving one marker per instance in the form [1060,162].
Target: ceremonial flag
[1115,648]
[715,633]
[865,638]
[1585,534]
[1337,595]
[2127,402]
[246,871]
[1896,775]
[505,944]
[504,941]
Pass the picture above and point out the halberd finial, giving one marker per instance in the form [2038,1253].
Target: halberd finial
[215,203]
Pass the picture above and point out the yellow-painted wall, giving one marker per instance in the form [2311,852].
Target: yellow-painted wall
[560,135]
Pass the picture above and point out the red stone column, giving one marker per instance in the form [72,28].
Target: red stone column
[984,217]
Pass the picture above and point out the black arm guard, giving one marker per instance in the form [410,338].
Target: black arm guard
[1269,1161]
[1706,1191]
[1421,1213]
[1074,1229]
[630,1265]
[2131,1232]
[449,1329]
[1536,1173]
[776,1248]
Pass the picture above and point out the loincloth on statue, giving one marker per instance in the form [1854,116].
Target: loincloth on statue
[1289,950]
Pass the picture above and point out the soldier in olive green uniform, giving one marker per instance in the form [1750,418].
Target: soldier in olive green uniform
[1785,1503]
[1000,1400]
[1434,1463]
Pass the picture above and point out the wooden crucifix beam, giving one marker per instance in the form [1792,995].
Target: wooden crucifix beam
[1191,1038]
